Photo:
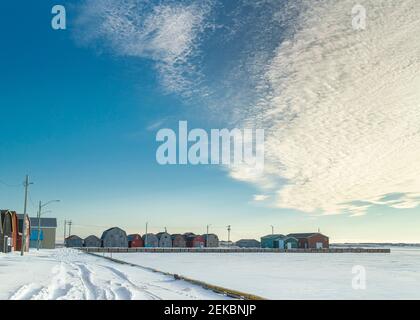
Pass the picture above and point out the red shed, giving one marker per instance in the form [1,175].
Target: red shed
[6,237]
[14,226]
[194,241]
[178,241]
[313,240]
[135,241]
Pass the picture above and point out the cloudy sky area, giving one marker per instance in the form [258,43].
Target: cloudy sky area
[340,109]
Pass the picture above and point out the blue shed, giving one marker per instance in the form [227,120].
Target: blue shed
[271,240]
[288,243]
[74,242]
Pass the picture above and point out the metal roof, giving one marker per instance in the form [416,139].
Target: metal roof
[304,235]
[92,237]
[45,222]
[73,237]
[273,236]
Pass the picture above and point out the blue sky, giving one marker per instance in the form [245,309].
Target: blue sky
[80,109]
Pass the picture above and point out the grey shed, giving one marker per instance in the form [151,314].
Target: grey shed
[92,242]
[248,243]
[114,238]
[212,240]
[165,240]
[74,242]
[150,240]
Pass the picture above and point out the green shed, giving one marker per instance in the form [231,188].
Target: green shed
[288,243]
[271,241]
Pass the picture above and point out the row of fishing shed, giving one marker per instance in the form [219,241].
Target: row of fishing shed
[311,240]
[118,238]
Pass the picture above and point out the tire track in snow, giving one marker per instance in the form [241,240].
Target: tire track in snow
[124,277]
[72,275]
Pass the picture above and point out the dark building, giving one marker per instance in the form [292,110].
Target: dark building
[92,242]
[269,241]
[211,240]
[165,240]
[135,241]
[6,231]
[313,240]
[194,241]
[150,240]
[178,241]
[114,238]
[47,237]
[74,242]
[248,243]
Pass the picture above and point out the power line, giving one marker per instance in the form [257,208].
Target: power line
[10,185]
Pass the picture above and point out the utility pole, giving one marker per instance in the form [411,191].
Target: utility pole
[39,219]
[23,245]
[70,223]
[145,238]
[228,229]
[65,227]
[39,226]
[272,229]
[207,235]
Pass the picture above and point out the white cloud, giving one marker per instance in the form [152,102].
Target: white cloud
[167,32]
[261,197]
[342,112]
[340,108]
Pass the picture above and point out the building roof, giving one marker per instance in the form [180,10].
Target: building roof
[45,222]
[163,234]
[304,235]
[133,236]
[273,236]
[93,237]
[73,237]
[104,234]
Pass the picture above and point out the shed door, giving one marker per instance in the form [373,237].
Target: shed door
[289,245]
[319,245]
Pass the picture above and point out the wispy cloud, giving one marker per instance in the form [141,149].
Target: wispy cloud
[340,108]
[261,197]
[166,32]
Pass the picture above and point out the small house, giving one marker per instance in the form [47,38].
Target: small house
[6,235]
[150,240]
[135,241]
[92,242]
[47,236]
[165,240]
[248,243]
[74,242]
[313,240]
[194,241]
[211,240]
[178,241]
[286,242]
[271,240]
[114,238]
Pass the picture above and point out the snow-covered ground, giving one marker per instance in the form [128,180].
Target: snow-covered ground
[296,275]
[70,274]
